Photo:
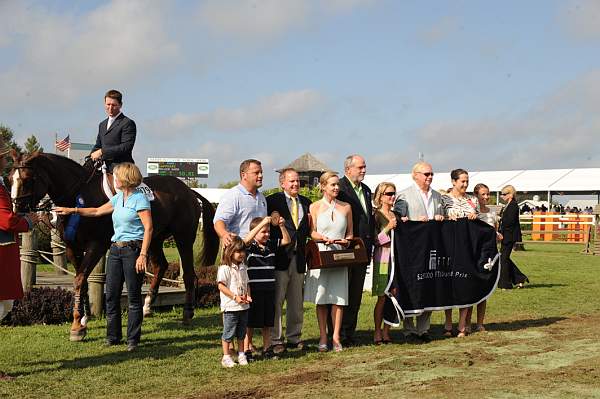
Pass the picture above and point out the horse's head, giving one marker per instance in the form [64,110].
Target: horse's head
[29,182]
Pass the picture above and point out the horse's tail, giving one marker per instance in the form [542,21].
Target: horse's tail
[210,244]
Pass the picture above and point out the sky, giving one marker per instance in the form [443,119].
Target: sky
[470,84]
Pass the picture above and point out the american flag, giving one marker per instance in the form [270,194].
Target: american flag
[64,144]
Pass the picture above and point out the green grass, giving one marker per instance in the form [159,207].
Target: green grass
[542,343]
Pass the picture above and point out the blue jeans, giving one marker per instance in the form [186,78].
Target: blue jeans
[121,267]
[234,325]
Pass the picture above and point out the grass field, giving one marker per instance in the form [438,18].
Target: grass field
[542,341]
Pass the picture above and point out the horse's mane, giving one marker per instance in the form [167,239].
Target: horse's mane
[47,160]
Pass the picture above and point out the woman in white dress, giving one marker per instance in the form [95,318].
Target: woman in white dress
[331,224]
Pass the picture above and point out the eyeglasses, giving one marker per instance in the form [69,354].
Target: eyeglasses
[390,194]
[426,174]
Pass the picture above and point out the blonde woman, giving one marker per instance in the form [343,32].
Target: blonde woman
[488,215]
[332,227]
[511,233]
[385,222]
[132,222]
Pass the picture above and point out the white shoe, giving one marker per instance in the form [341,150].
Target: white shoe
[242,361]
[227,362]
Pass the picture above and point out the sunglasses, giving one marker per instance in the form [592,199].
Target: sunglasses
[504,193]
[390,194]
[426,174]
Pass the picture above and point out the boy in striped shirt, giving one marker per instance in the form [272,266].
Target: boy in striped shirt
[260,260]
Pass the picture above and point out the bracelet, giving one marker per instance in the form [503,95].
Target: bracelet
[76,210]
[144,255]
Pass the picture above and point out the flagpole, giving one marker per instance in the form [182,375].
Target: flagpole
[55,141]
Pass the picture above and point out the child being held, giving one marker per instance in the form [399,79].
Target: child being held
[232,280]
[261,272]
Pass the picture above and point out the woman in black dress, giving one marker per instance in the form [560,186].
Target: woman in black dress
[510,229]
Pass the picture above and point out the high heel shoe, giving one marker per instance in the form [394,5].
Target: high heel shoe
[337,347]
[323,348]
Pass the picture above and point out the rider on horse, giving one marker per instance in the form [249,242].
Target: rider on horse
[116,134]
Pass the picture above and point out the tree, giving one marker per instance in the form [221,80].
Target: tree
[32,145]
[229,184]
[7,135]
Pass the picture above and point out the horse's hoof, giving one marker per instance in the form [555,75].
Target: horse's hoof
[77,335]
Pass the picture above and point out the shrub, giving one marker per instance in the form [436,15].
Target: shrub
[207,293]
[42,306]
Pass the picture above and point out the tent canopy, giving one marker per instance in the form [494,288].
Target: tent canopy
[584,180]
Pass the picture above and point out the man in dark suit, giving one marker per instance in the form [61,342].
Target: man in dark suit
[291,263]
[116,134]
[358,195]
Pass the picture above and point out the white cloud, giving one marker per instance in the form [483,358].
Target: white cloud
[581,19]
[441,30]
[275,108]
[61,56]
[266,20]
[250,19]
[560,131]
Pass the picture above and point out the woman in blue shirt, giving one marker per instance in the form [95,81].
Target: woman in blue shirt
[132,222]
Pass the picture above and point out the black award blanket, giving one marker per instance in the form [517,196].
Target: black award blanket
[440,265]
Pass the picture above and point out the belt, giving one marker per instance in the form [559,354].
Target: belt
[132,244]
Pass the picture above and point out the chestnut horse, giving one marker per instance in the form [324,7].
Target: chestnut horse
[176,210]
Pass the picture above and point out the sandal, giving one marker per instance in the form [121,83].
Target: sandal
[462,334]
[386,341]
[447,332]
[323,348]
[480,328]
[337,347]
[378,342]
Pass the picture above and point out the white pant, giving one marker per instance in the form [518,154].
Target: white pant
[423,322]
[5,307]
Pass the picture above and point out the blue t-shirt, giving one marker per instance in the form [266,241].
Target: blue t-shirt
[126,221]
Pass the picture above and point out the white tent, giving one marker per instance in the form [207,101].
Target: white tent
[580,181]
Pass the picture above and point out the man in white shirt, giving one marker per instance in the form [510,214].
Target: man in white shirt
[420,203]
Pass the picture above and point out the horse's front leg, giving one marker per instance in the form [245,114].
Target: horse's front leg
[159,264]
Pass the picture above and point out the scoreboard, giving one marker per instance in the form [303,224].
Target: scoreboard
[178,167]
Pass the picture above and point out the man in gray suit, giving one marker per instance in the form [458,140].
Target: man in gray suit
[116,134]
[419,203]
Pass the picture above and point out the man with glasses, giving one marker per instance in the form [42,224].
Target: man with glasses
[420,203]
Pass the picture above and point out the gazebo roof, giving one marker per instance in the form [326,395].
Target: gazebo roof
[307,163]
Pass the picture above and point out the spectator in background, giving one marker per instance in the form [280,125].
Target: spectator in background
[511,233]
